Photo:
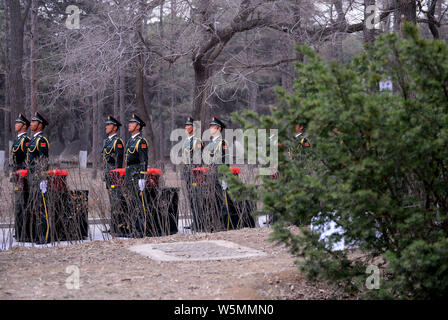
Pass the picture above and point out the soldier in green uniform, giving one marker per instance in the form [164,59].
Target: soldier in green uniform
[136,160]
[191,153]
[21,193]
[21,143]
[113,157]
[113,149]
[37,165]
[192,147]
[37,152]
[302,137]
[302,142]
[219,155]
[217,148]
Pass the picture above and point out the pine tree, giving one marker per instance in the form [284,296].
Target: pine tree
[377,167]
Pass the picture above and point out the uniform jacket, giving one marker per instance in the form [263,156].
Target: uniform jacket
[218,151]
[136,158]
[18,151]
[113,155]
[37,153]
[188,150]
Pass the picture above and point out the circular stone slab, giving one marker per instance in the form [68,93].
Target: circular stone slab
[196,251]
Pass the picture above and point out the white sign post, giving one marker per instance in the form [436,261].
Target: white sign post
[83,159]
[386,85]
[9,153]
[2,160]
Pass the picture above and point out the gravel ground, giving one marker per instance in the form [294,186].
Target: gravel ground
[108,270]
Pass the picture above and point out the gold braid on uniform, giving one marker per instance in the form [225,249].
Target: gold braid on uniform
[128,151]
[111,149]
[19,146]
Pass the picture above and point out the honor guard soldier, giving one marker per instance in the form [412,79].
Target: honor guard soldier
[113,157]
[302,142]
[21,143]
[113,149]
[192,147]
[191,153]
[218,146]
[218,153]
[301,137]
[37,152]
[136,159]
[37,164]
[21,192]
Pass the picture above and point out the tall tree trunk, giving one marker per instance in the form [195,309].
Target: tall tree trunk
[200,93]
[140,96]
[143,112]
[95,134]
[116,109]
[122,104]
[432,20]
[408,10]
[34,51]
[172,76]
[161,131]
[84,134]
[7,110]
[252,86]
[339,36]
[288,70]
[369,32]
[397,17]
[100,125]
[16,27]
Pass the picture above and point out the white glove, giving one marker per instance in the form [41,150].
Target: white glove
[223,185]
[141,184]
[43,186]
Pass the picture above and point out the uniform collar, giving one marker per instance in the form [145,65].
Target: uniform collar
[37,133]
[214,139]
[110,137]
[21,134]
[191,137]
[135,135]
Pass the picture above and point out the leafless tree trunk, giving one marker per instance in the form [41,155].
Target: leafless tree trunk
[140,96]
[369,33]
[397,17]
[433,23]
[161,121]
[172,75]
[339,36]
[7,110]
[34,51]
[116,108]
[95,134]
[122,105]
[213,41]
[84,134]
[251,83]
[16,28]
[100,126]
[408,10]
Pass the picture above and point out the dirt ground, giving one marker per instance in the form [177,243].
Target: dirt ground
[107,270]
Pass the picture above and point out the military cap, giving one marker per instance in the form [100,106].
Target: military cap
[38,117]
[112,120]
[136,118]
[217,122]
[21,118]
[189,121]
